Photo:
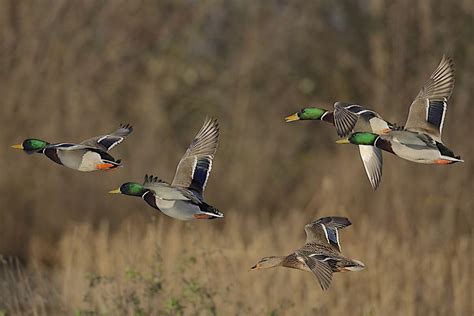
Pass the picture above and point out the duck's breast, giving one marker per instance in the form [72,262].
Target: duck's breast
[80,159]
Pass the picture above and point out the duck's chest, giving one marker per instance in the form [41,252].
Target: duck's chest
[81,160]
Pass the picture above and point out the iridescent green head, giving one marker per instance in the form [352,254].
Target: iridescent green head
[31,145]
[130,188]
[360,139]
[306,114]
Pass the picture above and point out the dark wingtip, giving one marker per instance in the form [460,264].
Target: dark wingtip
[127,126]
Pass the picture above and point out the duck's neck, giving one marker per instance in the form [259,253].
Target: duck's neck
[328,117]
[274,262]
[384,144]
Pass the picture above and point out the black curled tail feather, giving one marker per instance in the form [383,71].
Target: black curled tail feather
[211,210]
[445,151]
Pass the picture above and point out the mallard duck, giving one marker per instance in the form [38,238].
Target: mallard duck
[89,155]
[359,118]
[348,117]
[183,198]
[420,139]
[321,254]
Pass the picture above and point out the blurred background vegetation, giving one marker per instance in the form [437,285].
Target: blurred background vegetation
[70,70]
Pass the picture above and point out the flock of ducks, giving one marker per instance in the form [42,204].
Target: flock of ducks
[418,141]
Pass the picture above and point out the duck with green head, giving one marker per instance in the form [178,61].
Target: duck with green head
[349,117]
[411,146]
[89,155]
[311,113]
[183,198]
[420,139]
[321,253]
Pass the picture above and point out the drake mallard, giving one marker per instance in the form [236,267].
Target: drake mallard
[321,254]
[89,155]
[183,198]
[420,139]
[361,120]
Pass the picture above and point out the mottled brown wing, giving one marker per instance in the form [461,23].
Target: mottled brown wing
[325,230]
[320,269]
[428,110]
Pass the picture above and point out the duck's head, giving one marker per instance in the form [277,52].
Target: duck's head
[307,114]
[268,262]
[130,188]
[360,138]
[31,145]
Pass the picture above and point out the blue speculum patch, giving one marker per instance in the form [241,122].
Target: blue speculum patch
[200,174]
[435,113]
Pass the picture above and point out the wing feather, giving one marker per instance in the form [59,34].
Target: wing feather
[109,141]
[195,166]
[372,160]
[325,230]
[344,119]
[428,110]
[320,269]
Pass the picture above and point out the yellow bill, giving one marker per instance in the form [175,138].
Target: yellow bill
[292,118]
[116,191]
[19,146]
[343,141]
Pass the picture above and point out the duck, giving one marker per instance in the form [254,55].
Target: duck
[321,253]
[90,155]
[183,198]
[347,118]
[420,139]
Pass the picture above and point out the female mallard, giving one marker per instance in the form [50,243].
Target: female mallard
[183,198]
[321,254]
[420,139]
[90,155]
[346,118]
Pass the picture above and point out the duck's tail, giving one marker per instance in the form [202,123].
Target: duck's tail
[210,211]
[354,265]
[447,155]
[116,163]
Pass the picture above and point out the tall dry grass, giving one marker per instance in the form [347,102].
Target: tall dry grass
[72,70]
[199,268]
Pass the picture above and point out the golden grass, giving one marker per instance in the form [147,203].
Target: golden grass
[203,267]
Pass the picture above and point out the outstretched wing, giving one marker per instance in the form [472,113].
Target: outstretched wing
[372,160]
[195,166]
[320,268]
[109,141]
[344,119]
[325,230]
[428,110]
[349,118]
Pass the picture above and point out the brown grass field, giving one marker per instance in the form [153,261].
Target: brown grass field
[70,70]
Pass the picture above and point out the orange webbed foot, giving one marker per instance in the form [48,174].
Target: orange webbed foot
[104,166]
[443,162]
[201,216]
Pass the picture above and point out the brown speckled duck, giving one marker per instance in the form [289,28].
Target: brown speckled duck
[321,254]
